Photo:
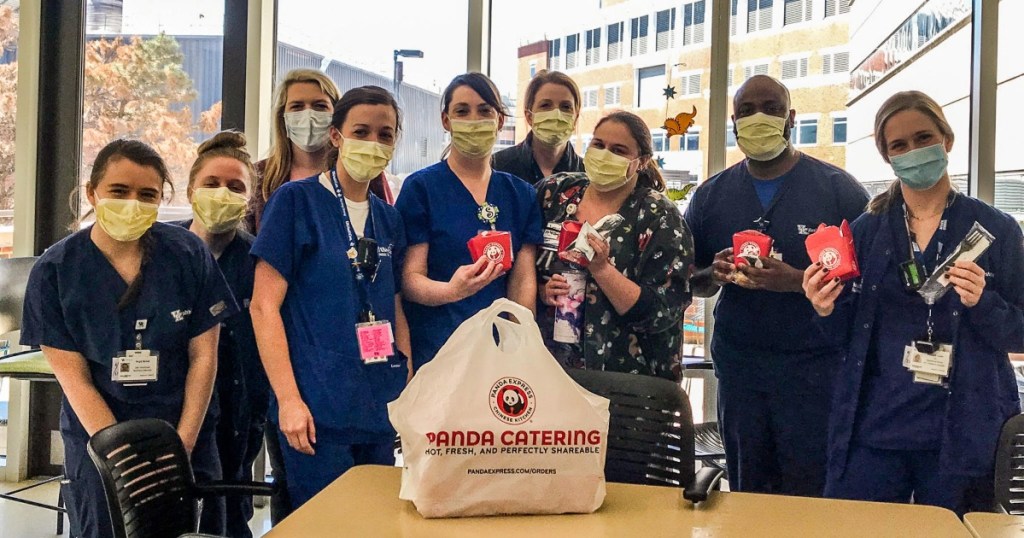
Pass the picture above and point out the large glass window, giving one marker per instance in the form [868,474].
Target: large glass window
[153,71]
[315,34]
[1010,116]
[8,110]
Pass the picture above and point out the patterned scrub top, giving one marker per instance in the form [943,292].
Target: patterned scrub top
[653,248]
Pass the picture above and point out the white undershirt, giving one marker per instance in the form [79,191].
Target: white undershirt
[358,212]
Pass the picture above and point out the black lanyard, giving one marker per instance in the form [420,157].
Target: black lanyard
[763,221]
[361,281]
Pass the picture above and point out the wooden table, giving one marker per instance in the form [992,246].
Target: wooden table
[989,525]
[364,502]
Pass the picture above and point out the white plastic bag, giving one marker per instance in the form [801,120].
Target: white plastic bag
[492,428]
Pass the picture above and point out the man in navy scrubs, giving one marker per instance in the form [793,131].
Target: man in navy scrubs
[774,367]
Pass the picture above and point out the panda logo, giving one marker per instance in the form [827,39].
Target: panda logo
[830,258]
[750,249]
[512,400]
[494,252]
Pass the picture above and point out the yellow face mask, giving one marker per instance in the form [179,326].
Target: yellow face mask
[606,170]
[552,127]
[761,137]
[365,159]
[474,138]
[220,210]
[125,220]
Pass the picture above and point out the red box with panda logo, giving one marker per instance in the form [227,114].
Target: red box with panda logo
[496,245]
[832,246]
[749,245]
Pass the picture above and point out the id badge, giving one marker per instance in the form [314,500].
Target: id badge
[135,367]
[928,359]
[376,341]
[551,234]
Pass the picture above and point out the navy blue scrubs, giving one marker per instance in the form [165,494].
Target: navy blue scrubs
[243,391]
[303,236]
[774,368]
[72,304]
[889,437]
[438,210]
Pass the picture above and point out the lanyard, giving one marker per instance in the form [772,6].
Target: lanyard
[352,253]
[913,249]
[763,221]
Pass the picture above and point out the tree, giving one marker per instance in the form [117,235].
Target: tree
[133,88]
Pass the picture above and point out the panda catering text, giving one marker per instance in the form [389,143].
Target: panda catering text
[514,442]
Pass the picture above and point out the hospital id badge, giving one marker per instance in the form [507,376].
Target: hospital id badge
[135,367]
[376,341]
[929,359]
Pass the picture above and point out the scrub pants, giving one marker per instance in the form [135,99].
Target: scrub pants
[897,476]
[309,475]
[238,448]
[87,503]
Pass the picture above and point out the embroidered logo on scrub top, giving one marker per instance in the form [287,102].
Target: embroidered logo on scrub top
[180,315]
[512,400]
[804,230]
[384,252]
[829,258]
[216,309]
[494,252]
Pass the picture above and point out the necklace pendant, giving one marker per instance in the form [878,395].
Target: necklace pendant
[488,214]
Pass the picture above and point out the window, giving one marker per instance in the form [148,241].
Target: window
[659,141]
[593,46]
[806,132]
[555,54]
[585,143]
[730,135]
[638,36]
[651,82]
[755,69]
[729,75]
[839,130]
[533,68]
[836,7]
[794,68]
[836,62]
[691,141]
[797,11]
[572,47]
[155,77]
[8,112]
[615,41]
[666,25]
[612,95]
[759,15]
[590,98]
[693,22]
[732,17]
[690,84]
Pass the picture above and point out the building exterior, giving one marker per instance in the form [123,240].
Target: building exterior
[626,53]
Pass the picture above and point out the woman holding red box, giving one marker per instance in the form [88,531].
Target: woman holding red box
[636,283]
[458,200]
[925,385]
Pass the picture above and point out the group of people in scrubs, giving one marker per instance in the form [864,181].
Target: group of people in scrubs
[318,315]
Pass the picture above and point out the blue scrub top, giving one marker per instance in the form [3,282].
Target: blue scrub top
[754,322]
[439,210]
[302,235]
[71,304]
[982,390]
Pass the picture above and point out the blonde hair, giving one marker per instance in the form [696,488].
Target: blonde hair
[279,163]
[909,100]
[229,144]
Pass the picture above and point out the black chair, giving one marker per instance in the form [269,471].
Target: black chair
[1009,472]
[650,433]
[710,450]
[148,480]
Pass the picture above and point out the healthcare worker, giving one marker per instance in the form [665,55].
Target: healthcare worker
[447,204]
[766,357]
[898,432]
[127,312]
[552,110]
[637,284]
[326,303]
[218,187]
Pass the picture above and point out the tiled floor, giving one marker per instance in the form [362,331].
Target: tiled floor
[19,520]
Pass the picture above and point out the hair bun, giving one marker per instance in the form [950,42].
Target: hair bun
[223,140]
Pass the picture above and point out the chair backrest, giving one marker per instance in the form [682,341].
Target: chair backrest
[650,433]
[13,282]
[1009,472]
[147,479]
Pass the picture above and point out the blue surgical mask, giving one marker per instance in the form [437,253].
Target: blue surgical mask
[921,168]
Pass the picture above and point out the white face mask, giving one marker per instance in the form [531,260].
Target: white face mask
[308,128]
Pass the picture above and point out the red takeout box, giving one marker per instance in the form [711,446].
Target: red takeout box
[495,245]
[832,246]
[749,245]
[570,231]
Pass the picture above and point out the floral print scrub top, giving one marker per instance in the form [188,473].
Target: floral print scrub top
[653,248]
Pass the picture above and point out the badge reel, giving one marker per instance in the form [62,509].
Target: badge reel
[136,367]
[912,275]
[376,338]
